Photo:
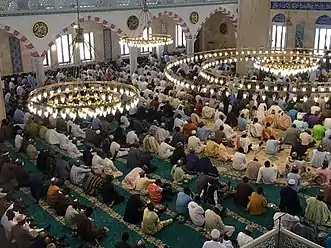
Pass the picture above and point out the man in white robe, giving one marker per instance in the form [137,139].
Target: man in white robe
[166,150]
[195,143]
[75,130]
[219,122]
[125,121]
[26,118]
[109,167]
[228,131]
[161,134]
[132,138]
[179,123]
[97,164]
[219,113]
[64,140]
[51,137]
[73,151]
[115,148]
[18,140]
[256,128]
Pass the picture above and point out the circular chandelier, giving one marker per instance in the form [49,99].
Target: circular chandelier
[82,99]
[152,40]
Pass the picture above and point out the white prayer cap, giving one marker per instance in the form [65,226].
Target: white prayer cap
[12,79]
[291,182]
[53,180]
[111,137]
[299,117]
[98,132]
[215,234]
[162,124]
[20,217]
[2,195]
[194,132]
[244,132]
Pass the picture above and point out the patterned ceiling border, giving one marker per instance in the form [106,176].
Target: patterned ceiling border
[317,6]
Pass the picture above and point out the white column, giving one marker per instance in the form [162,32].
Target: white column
[133,59]
[39,70]
[189,46]
[159,52]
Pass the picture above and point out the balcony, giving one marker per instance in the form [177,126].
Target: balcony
[33,7]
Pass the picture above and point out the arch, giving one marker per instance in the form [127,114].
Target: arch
[27,43]
[224,11]
[323,20]
[279,18]
[178,19]
[95,19]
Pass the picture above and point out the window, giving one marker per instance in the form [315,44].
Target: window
[47,60]
[147,32]
[64,49]
[278,32]
[86,49]
[125,49]
[180,37]
[322,34]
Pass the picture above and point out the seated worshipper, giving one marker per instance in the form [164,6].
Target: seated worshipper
[86,229]
[273,146]
[97,163]
[42,132]
[161,134]
[231,119]
[189,128]
[244,142]
[294,174]
[313,120]
[245,237]
[283,121]
[125,121]
[93,184]
[178,122]
[70,217]
[299,149]
[268,131]
[287,221]
[217,151]
[182,201]
[318,131]
[243,192]
[242,122]
[60,201]
[96,123]
[204,132]
[196,212]
[129,181]
[150,144]
[32,129]
[291,135]
[18,116]
[207,112]
[229,133]
[32,151]
[213,191]
[94,137]
[317,211]
[293,162]
[116,150]
[64,141]
[178,154]
[110,196]
[252,169]
[256,128]
[132,138]
[192,160]
[165,150]
[109,168]
[239,160]
[18,140]
[307,139]
[195,119]
[257,202]
[300,124]
[289,199]
[217,241]
[72,150]
[52,190]
[326,144]
[178,174]
[137,158]
[219,122]
[78,173]
[327,192]
[318,157]
[195,143]
[75,130]
[62,169]
[213,220]
[151,223]
[142,183]
[206,166]
[270,118]
[267,174]
[323,174]
[177,137]
[159,192]
[134,210]
[220,137]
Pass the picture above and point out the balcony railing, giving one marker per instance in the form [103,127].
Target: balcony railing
[66,6]
[281,239]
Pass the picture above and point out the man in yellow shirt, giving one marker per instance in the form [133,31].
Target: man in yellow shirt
[257,203]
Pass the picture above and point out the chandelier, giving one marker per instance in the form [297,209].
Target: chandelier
[78,97]
[144,41]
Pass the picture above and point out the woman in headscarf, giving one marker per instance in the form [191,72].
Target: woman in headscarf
[134,210]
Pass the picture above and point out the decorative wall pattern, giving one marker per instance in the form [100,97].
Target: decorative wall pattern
[107,43]
[280,18]
[297,5]
[178,19]
[299,35]
[15,53]
[229,14]
[324,20]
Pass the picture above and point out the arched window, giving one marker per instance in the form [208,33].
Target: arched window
[86,49]
[64,49]
[146,33]
[47,60]
[125,49]
[322,33]
[278,32]
[180,37]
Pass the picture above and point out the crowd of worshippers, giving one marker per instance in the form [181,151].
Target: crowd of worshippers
[166,121]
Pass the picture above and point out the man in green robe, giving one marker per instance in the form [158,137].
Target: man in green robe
[317,211]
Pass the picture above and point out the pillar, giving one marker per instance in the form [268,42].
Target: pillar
[159,52]
[133,59]
[189,46]
[39,70]
[253,26]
